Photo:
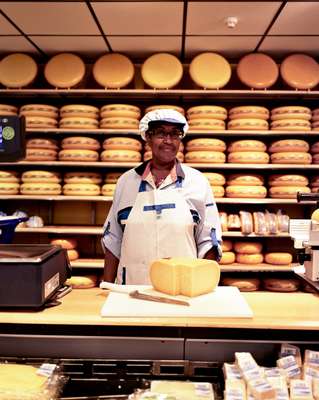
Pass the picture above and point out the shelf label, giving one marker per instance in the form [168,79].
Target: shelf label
[299,230]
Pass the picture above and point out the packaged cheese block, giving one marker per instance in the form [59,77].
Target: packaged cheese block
[293,157]
[184,276]
[251,259]
[78,155]
[40,122]
[78,123]
[41,110]
[40,154]
[223,221]
[246,157]
[243,284]
[300,71]
[80,142]
[300,390]
[81,189]
[178,389]
[124,143]
[82,282]
[218,191]
[64,70]
[206,124]
[249,112]
[119,123]
[82,177]
[72,254]
[65,243]
[248,247]
[315,159]
[17,70]
[165,106]
[287,192]
[42,143]
[291,112]
[79,110]
[207,112]
[314,148]
[9,188]
[278,258]
[112,177]
[249,192]
[290,125]
[312,357]
[233,222]
[248,124]
[261,389]
[289,364]
[288,180]
[281,285]
[210,70]
[41,176]
[6,109]
[121,155]
[9,176]
[227,245]
[205,157]
[231,372]
[113,71]
[214,178]
[120,110]
[247,145]
[228,257]
[288,145]
[206,145]
[43,188]
[162,71]
[108,189]
[245,180]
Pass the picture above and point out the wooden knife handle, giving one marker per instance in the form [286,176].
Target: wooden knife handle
[142,296]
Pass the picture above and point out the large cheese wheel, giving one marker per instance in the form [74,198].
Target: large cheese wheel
[120,110]
[82,177]
[40,122]
[165,106]
[315,126]
[291,158]
[315,159]
[124,143]
[41,110]
[112,177]
[227,245]
[215,178]
[205,157]
[79,110]
[113,71]
[300,71]
[288,180]
[315,215]
[258,192]
[210,70]
[291,125]
[247,145]
[82,282]
[119,123]
[281,285]
[218,191]
[17,70]
[251,259]
[249,112]
[248,124]
[64,70]
[314,148]
[278,258]
[243,284]
[206,145]
[291,112]
[78,123]
[41,176]
[246,157]
[40,188]
[72,254]
[9,176]
[65,243]
[80,142]
[6,109]
[9,188]
[245,180]
[121,155]
[315,114]
[148,155]
[42,143]
[184,276]
[108,189]
[81,189]
[206,124]
[228,257]
[287,192]
[288,145]
[40,154]
[248,247]
[207,112]
[78,155]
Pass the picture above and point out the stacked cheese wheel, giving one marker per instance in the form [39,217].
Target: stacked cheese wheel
[82,183]
[217,182]
[79,148]
[205,151]
[206,118]
[121,149]
[148,153]
[291,118]
[120,116]
[110,183]
[290,151]
[248,252]
[281,284]
[6,109]
[246,186]
[314,184]
[41,149]
[38,182]
[286,186]
[243,283]
[69,244]
[248,152]
[40,115]
[315,119]
[315,152]
[9,182]
[228,256]
[79,116]
[166,107]
[248,118]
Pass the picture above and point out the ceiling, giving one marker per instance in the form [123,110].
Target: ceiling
[142,28]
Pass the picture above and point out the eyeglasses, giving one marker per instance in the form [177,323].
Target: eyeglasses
[174,134]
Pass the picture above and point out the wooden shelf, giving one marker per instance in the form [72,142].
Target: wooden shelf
[237,234]
[87,263]
[263,267]
[74,230]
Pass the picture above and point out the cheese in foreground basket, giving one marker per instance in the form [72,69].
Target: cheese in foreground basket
[184,276]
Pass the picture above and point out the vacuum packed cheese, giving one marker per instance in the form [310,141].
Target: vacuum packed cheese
[245,180]
[206,124]
[113,71]
[248,247]
[124,143]
[9,176]
[291,112]
[258,192]
[287,192]
[278,258]
[249,112]
[290,125]
[121,155]
[207,112]
[248,157]
[9,188]
[120,110]
[41,176]
[247,145]
[81,189]
[248,124]
[40,154]
[161,389]
[184,276]
[78,155]
[288,145]
[291,157]
[79,110]
[41,110]
[80,142]
[205,157]
[300,71]
[42,143]
[36,188]
[79,123]
[251,259]
[17,70]
[208,144]
[288,180]
[82,177]
[246,221]
[300,390]
[64,70]
[119,123]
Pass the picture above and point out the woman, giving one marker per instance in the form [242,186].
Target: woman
[160,208]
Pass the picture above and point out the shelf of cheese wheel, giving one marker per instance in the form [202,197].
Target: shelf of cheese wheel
[206,118]
[205,150]
[290,151]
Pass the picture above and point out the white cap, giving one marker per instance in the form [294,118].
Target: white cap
[165,115]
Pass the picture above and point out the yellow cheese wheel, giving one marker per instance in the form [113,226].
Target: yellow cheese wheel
[227,245]
[184,276]
[112,177]
[19,381]
[300,71]
[121,155]
[78,123]
[288,145]
[215,178]
[64,70]
[258,192]
[248,247]
[79,110]
[291,112]
[9,176]
[41,176]
[78,155]
[82,177]
[40,154]
[72,254]
[9,188]
[205,157]
[315,215]
[108,189]
[315,159]
[288,180]
[314,148]
[291,158]
[210,70]
[245,180]
[148,155]
[278,258]
[246,157]
[206,145]
[119,123]
[40,122]
[41,110]
[81,189]
[206,112]
[6,109]
[165,106]
[80,142]
[120,110]
[65,243]
[228,257]
[113,71]
[291,125]
[124,143]
[218,191]
[243,284]
[36,188]
[17,70]
[281,285]
[249,112]
[206,124]
[287,192]
[315,126]
[251,259]
[42,143]
[247,145]
[248,124]
[82,282]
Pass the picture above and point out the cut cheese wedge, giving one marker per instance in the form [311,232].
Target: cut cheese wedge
[17,70]
[184,276]
[64,70]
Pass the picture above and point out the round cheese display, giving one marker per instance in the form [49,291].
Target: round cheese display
[214,178]
[291,158]
[79,123]
[207,112]
[9,176]
[291,125]
[218,191]
[41,176]
[257,71]
[246,157]
[249,112]
[6,109]
[120,110]
[113,71]
[82,282]
[80,142]
[247,145]
[108,189]
[291,112]
[243,284]
[288,180]
[40,122]
[245,180]
[257,192]
[251,259]
[206,124]
[9,188]
[205,157]
[112,177]
[281,285]
[124,143]
[72,254]
[78,155]
[206,145]
[81,189]
[315,126]
[148,155]
[210,70]
[119,123]
[248,124]
[82,177]
[64,70]
[300,71]
[40,154]
[17,70]
[289,145]
[41,110]
[287,192]
[65,243]
[248,247]
[227,245]
[40,188]
[35,222]
[228,257]
[278,258]
[162,71]
[42,143]
[166,107]
[315,215]
[121,155]
[79,110]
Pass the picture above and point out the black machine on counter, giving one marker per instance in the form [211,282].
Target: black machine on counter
[12,138]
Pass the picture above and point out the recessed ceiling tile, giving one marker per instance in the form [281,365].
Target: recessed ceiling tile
[297,19]
[140,18]
[11,44]
[6,28]
[209,18]
[284,45]
[60,18]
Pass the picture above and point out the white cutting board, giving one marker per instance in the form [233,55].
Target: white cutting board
[224,302]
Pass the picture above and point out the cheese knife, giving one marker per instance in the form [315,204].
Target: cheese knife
[143,296]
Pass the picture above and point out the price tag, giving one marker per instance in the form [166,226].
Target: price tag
[299,229]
